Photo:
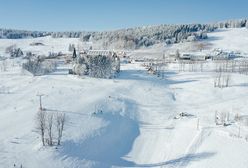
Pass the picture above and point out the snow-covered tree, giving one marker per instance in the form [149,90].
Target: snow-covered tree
[177,54]
[135,37]
[13,51]
[100,67]
[16,53]
[39,66]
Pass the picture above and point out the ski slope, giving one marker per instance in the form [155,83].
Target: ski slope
[136,127]
[230,39]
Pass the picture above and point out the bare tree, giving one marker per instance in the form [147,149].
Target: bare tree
[50,128]
[60,122]
[3,65]
[223,77]
[39,66]
[237,117]
[177,54]
[41,124]
[223,118]
[227,80]
[200,46]
[216,118]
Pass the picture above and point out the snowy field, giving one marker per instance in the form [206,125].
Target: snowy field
[137,126]
[230,39]
[49,44]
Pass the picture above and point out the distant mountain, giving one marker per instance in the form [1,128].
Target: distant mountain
[134,37]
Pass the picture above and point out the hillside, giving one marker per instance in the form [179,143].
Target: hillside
[134,38]
[230,39]
[139,123]
[227,39]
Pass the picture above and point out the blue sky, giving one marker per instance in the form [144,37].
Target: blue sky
[62,15]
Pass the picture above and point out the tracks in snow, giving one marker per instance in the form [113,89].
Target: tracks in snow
[193,146]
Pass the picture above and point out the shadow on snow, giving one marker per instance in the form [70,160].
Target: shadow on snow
[144,76]
[183,161]
[109,145]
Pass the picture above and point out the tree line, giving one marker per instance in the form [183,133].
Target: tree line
[132,38]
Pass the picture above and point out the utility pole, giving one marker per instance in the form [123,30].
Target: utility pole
[40,98]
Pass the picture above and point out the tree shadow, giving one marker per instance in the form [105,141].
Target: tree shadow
[240,85]
[144,76]
[183,161]
[214,38]
[63,111]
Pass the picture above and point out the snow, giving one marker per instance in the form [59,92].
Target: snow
[136,127]
[235,39]
[50,44]
[232,39]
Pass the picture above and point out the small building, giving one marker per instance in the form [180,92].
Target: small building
[198,57]
[185,57]
[194,56]
[99,52]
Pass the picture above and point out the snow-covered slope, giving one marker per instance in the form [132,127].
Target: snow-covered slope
[226,39]
[136,127]
[230,39]
[50,44]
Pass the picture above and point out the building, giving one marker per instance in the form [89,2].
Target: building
[194,56]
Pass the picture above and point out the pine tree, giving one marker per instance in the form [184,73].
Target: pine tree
[74,55]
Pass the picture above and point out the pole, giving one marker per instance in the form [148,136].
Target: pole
[40,98]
